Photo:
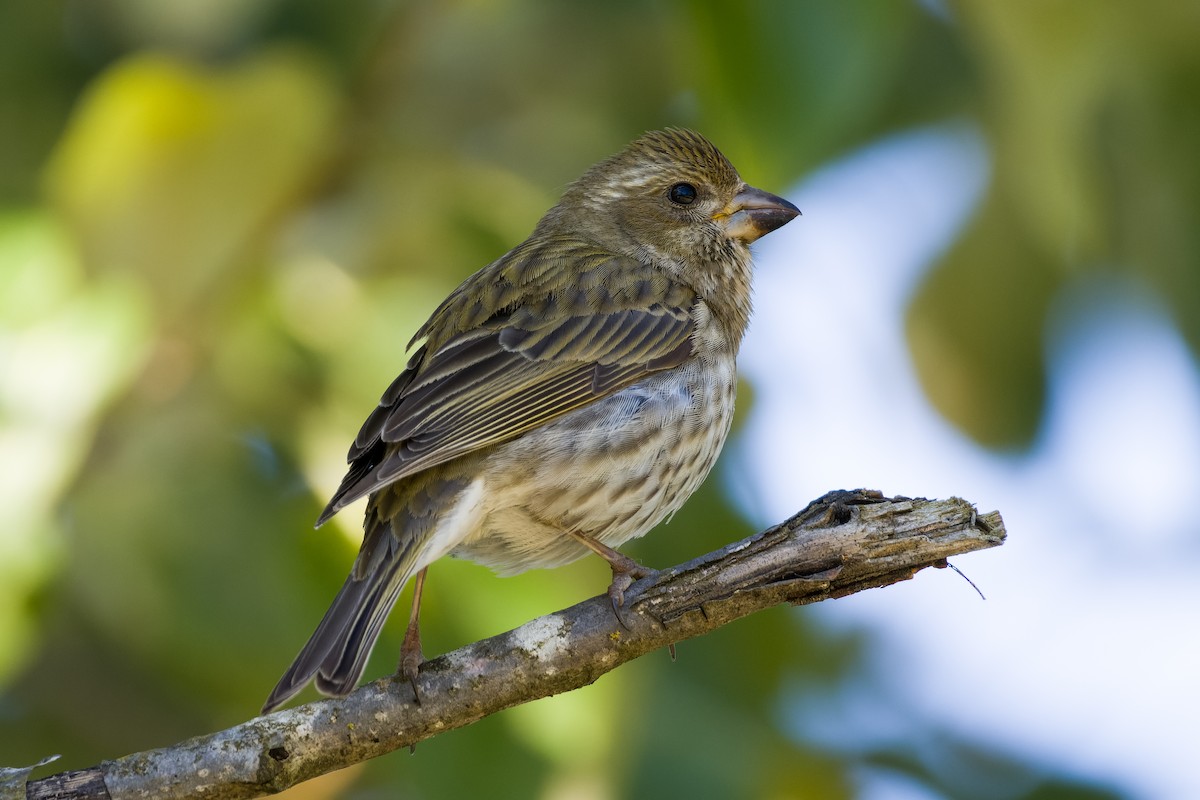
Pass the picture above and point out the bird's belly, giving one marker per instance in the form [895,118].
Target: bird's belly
[612,470]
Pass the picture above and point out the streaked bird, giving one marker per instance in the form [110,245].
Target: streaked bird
[564,399]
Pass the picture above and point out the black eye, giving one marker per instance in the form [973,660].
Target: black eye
[683,194]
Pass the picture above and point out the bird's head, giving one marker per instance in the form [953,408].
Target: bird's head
[673,197]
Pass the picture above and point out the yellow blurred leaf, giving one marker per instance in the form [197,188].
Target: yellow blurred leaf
[169,169]
[66,349]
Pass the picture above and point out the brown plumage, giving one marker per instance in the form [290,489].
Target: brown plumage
[567,397]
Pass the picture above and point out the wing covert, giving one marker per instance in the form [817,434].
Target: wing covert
[520,370]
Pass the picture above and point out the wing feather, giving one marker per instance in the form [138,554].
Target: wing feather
[520,369]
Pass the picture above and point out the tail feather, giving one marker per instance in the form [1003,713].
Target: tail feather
[336,654]
[404,532]
[343,665]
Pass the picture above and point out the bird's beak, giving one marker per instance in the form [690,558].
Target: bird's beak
[754,213]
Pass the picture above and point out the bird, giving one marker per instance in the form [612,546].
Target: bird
[563,400]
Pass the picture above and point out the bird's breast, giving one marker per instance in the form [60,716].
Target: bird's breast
[613,469]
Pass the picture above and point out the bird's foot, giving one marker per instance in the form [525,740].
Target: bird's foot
[624,571]
[411,658]
[410,663]
[410,650]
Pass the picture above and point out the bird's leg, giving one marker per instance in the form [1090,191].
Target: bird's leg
[410,650]
[624,570]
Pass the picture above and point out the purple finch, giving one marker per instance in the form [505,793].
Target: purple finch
[565,399]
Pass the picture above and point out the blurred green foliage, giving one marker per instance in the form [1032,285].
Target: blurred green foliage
[220,223]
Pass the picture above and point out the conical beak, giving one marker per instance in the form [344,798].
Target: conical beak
[754,213]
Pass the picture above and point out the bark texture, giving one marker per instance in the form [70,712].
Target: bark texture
[844,542]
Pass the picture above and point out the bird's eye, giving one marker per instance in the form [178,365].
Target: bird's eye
[683,194]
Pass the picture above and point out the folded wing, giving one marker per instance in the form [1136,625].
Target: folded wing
[538,357]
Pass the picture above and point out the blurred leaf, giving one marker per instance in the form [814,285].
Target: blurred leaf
[975,329]
[956,769]
[1094,171]
[1049,74]
[179,26]
[785,85]
[66,348]
[168,168]
[40,75]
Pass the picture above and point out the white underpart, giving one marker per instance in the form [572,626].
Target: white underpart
[455,526]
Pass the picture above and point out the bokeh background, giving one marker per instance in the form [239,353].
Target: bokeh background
[221,221]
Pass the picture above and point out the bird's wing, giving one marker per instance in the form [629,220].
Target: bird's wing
[529,364]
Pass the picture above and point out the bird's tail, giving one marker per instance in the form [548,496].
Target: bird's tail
[336,654]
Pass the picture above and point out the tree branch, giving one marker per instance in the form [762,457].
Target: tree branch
[844,542]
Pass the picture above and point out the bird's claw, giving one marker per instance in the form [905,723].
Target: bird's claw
[410,664]
[616,595]
[411,659]
[624,571]
[624,574]
[622,580]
